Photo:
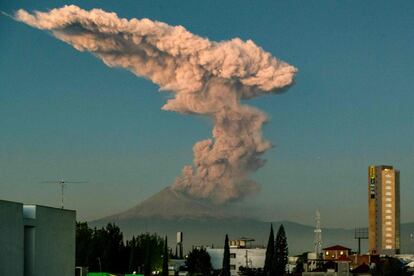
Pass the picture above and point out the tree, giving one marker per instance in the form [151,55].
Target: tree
[104,250]
[165,258]
[198,262]
[281,251]
[270,253]
[99,249]
[225,271]
[83,241]
[389,266]
[302,259]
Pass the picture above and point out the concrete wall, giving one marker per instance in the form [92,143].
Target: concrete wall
[11,238]
[54,252]
[36,240]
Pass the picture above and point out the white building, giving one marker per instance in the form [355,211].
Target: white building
[36,240]
[241,254]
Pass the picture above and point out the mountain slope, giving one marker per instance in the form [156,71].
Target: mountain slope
[168,212]
[170,204]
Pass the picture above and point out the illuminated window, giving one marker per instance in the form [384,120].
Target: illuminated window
[388,199]
[388,247]
[387,217]
[389,205]
[341,253]
[388,211]
[327,253]
[388,223]
[388,193]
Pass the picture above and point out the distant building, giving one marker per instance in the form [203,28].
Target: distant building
[336,253]
[36,240]
[383,210]
[241,254]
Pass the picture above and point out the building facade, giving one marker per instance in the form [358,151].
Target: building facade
[242,254]
[383,210]
[335,253]
[36,240]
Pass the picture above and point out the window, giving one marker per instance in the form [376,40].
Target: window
[387,217]
[388,223]
[388,199]
[388,193]
[341,253]
[232,255]
[388,211]
[327,253]
[232,267]
[389,205]
[388,247]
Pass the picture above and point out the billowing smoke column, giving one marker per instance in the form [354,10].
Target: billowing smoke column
[206,78]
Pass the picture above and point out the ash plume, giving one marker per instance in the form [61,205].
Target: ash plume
[205,77]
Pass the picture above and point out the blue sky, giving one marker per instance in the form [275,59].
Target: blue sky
[65,114]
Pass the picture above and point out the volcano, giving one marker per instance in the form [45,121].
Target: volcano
[171,204]
[204,224]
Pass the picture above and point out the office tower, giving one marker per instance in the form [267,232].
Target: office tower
[383,210]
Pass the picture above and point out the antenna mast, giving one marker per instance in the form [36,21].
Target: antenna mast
[62,188]
[318,235]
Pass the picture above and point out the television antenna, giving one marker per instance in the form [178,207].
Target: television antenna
[62,184]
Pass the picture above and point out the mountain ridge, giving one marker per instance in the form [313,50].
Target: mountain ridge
[169,212]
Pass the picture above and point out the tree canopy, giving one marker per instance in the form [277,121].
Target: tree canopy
[281,251]
[269,265]
[225,271]
[198,262]
[104,250]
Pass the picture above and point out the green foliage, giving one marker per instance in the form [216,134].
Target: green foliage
[389,266]
[99,249]
[281,252]
[299,264]
[165,258]
[198,262]
[225,271]
[83,241]
[269,265]
[145,253]
[104,250]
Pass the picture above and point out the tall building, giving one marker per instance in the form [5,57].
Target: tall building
[383,210]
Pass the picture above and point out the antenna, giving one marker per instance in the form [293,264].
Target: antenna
[318,234]
[62,187]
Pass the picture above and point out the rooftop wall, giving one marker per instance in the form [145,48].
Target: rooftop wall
[11,238]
